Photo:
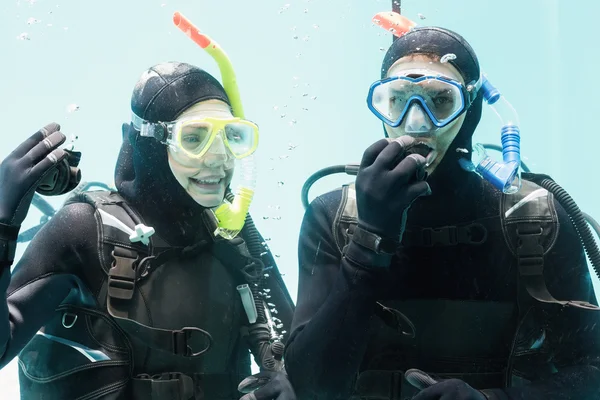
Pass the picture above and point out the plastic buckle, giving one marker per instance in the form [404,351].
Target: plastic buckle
[122,277]
[181,339]
[445,236]
[474,234]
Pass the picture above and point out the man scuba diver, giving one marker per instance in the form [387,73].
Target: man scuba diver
[423,279]
[128,294]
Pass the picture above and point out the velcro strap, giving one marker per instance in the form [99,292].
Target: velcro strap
[186,342]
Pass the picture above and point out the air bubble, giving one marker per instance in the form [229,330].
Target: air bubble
[280,183]
[71,108]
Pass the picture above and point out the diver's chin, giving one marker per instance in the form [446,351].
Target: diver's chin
[208,200]
[431,158]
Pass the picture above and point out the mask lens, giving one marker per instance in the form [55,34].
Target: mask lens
[194,136]
[389,99]
[443,99]
[240,137]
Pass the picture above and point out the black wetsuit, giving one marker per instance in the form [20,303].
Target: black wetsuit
[63,269]
[462,299]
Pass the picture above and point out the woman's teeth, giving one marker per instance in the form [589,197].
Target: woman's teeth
[207,181]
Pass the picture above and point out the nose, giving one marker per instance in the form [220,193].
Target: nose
[217,153]
[417,121]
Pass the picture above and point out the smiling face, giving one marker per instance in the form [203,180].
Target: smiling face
[205,179]
[417,122]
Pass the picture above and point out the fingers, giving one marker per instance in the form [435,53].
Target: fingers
[252,383]
[405,141]
[390,156]
[46,146]
[372,152]
[36,138]
[412,167]
[46,164]
[419,379]
[416,190]
[394,152]
[267,392]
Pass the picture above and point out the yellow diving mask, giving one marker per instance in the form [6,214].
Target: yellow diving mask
[194,136]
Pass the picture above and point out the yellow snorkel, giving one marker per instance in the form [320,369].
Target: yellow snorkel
[230,216]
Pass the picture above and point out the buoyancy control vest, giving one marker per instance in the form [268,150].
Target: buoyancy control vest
[90,352]
[444,337]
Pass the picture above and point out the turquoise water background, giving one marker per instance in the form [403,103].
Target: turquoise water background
[304,68]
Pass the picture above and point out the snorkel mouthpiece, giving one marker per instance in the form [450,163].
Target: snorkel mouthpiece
[230,216]
[504,175]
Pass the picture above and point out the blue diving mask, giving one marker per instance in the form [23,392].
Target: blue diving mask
[443,99]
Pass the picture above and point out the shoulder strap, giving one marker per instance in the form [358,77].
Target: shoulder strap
[346,217]
[530,226]
[117,221]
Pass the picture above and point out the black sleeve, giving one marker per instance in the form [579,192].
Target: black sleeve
[573,334]
[336,300]
[44,276]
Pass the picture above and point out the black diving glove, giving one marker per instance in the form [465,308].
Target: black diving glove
[267,385]
[441,389]
[24,169]
[388,182]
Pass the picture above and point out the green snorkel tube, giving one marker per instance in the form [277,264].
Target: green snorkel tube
[230,216]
